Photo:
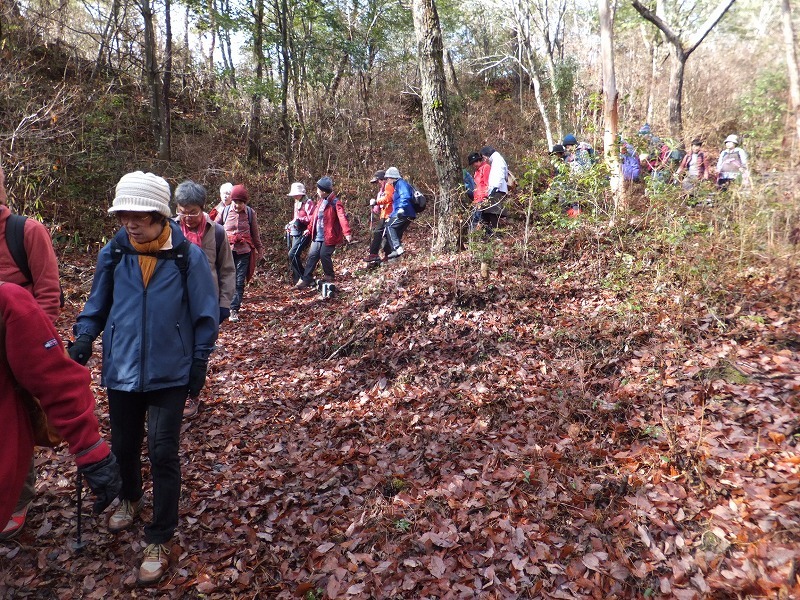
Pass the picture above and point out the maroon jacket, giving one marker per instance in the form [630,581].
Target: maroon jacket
[704,169]
[37,362]
[337,227]
[41,260]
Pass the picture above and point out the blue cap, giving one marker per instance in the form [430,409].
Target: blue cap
[570,140]
[325,184]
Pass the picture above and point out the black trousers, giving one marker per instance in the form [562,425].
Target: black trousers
[164,412]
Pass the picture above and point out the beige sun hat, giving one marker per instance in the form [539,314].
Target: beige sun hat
[297,189]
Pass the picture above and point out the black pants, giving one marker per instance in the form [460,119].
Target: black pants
[319,252]
[299,243]
[395,228]
[242,264]
[164,412]
[379,237]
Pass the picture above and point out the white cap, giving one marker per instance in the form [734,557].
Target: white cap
[732,138]
[225,188]
[392,173]
[142,192]
[297,189]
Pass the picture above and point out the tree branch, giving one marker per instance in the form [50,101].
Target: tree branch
[712,20]
[649,15]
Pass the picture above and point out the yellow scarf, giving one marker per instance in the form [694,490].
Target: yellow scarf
[147,262]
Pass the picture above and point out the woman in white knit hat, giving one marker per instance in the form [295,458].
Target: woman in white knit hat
[295,240]
[154,300]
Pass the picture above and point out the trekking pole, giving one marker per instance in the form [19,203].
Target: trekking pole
[79,544]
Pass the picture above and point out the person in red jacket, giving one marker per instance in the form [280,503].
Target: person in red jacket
[481,176]
[327,226]
[43,285]
[33,361]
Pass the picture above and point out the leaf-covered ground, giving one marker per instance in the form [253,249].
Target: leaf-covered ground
[591,423]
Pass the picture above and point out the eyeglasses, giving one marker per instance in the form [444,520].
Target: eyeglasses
[192,215]
[133,217]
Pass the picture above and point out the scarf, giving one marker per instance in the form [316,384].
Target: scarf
[195,236]
[147,252]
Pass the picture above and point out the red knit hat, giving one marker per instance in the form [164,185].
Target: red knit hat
[239,194]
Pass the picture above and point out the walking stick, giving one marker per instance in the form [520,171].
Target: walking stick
[78,545]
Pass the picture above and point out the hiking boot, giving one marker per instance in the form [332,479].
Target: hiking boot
[234,318]
[124,515]
[191,407]
[15,525]
[155,564]
[397,252]
[372,258]
[302,285]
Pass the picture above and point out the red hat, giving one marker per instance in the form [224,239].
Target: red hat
[239,194]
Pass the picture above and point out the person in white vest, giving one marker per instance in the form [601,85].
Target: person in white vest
[497,188]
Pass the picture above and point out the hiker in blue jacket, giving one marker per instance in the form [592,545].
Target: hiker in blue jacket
[402,213]
[154,300]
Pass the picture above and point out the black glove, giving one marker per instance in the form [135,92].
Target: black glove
[81,349]
[197,376]
[224,313]
[104,479]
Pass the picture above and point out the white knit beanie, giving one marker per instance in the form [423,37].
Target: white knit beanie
[142,192]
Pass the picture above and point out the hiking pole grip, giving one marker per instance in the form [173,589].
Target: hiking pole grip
[79,544]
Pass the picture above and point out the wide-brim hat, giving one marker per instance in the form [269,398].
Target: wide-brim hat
[732,138]
[142,192]
[297,189]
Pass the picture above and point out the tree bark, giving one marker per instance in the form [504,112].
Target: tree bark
[436,120]
[794,76]
[165,140]
[254,130]
[610,105]
[283,21]
[152,75]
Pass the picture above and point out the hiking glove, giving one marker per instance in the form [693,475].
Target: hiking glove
[81,349]
[224,313]
[104,479]
[197,376]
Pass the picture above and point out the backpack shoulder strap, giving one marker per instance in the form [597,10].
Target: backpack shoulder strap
[15,239]
[220,238]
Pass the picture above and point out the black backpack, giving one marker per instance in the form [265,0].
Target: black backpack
[15,239]
[180,254]
[418,200]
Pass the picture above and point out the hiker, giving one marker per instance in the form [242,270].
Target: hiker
[154,300]
[481,193]
[33,364]
[469,183]
[402,212]
[327,227]
[381,207]
[295,240]
[241,225]
[696,166]
[732,164]
[631,167]
[579,156]
[199,229]
[497,185]
[224,200]
[27,241]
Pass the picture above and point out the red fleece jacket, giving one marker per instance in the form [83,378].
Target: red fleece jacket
[41,260]
[37,362]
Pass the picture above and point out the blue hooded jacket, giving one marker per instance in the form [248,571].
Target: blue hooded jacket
[150,336]
[403,192]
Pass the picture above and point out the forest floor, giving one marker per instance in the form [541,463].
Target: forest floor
[586,423]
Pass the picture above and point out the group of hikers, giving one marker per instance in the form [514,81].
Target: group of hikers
[648,156]
[161,288]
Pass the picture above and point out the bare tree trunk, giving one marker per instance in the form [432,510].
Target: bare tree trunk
[105,39]
[164,142]
[610,105]
[436,119]
[282,19]
[212,16]
[453,75]
[680,54]
[794,76]
[151,72]
[254,132]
